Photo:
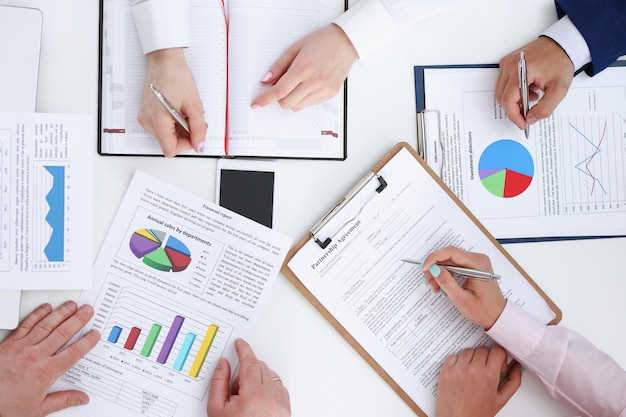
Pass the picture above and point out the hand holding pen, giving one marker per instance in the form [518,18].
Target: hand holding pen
[169,73]
[481,302]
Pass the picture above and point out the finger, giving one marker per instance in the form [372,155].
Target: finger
[49,323]
[449,362]
[60,400]
[295,96]
[481,355]
[68,328]
[165,132]
[249,370]
[30,322]
[68,357]
[279,91]
[510,385]
[497,359]
[218,388]
[465,356]
[197,126]
[281,66]
[546,105]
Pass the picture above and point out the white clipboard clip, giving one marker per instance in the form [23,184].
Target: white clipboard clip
[332,213]
[429,143]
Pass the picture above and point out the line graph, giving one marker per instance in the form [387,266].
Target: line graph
[593,155]
[584,165]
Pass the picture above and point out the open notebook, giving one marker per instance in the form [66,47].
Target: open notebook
[20,41]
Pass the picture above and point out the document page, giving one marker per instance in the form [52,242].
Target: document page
[381,301]
[567,179]
[46,201]
[177,280]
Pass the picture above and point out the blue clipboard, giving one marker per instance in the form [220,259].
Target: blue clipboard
[428,124]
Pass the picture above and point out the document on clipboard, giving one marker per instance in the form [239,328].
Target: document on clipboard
[350,268]
[567,180]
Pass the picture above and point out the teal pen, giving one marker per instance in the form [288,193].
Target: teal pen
[469,273]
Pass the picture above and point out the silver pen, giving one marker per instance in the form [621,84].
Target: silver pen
[171,109]
[523,85]
[469,273]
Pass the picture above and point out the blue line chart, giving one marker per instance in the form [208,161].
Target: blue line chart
[584,165]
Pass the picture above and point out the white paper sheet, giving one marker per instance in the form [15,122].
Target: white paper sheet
[46,202]
[567,179]
[177,280]
[380,300]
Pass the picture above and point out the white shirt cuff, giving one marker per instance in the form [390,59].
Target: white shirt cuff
[368,25]
[573,43]
[162,24]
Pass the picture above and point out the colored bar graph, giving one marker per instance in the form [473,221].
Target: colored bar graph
[170,339]
[151,340]
[183,353]
[132,338]
[115,334]
[203,351]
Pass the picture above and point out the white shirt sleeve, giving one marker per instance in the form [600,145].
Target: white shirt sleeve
[570,367]
[567,35]
[372,24]
[162,24]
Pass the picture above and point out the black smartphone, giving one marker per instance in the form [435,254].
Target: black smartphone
[247,188]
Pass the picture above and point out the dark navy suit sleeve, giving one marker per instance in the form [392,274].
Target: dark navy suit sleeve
[603,25]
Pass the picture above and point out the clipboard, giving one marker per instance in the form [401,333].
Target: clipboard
[435,149]
[362,193]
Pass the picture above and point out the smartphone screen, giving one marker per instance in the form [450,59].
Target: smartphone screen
[249,193]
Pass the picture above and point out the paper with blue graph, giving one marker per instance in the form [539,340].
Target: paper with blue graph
[46,204]
[177,281]
[568,179]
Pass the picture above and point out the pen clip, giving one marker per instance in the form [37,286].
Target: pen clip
[429,125]
[332,213]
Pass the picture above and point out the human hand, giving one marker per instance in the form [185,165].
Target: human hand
[479,301]
[311,71]
[168,71]
[256,392]
[549,69]
[469,383]
[30,360]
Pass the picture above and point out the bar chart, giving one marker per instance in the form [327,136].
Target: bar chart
[161,340]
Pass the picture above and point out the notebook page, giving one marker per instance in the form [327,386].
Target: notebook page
[260,32]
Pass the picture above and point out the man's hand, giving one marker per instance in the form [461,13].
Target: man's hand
[30,360]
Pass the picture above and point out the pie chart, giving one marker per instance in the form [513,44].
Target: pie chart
[506,168]
[160,251]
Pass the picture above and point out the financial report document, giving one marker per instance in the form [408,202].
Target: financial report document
[567,179]
[46,201]
[360,279]
[177,281]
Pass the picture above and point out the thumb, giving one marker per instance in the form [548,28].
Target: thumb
[218,388]
[510,385]
[63,399]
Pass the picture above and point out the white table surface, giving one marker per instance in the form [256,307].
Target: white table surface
[325,376]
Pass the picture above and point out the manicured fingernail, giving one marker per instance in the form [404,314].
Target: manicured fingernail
[268,75]
[435,270]
[442,292]
[200,147]
[424,279]
[255,106]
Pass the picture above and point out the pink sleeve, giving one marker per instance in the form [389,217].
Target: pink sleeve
[571,368]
